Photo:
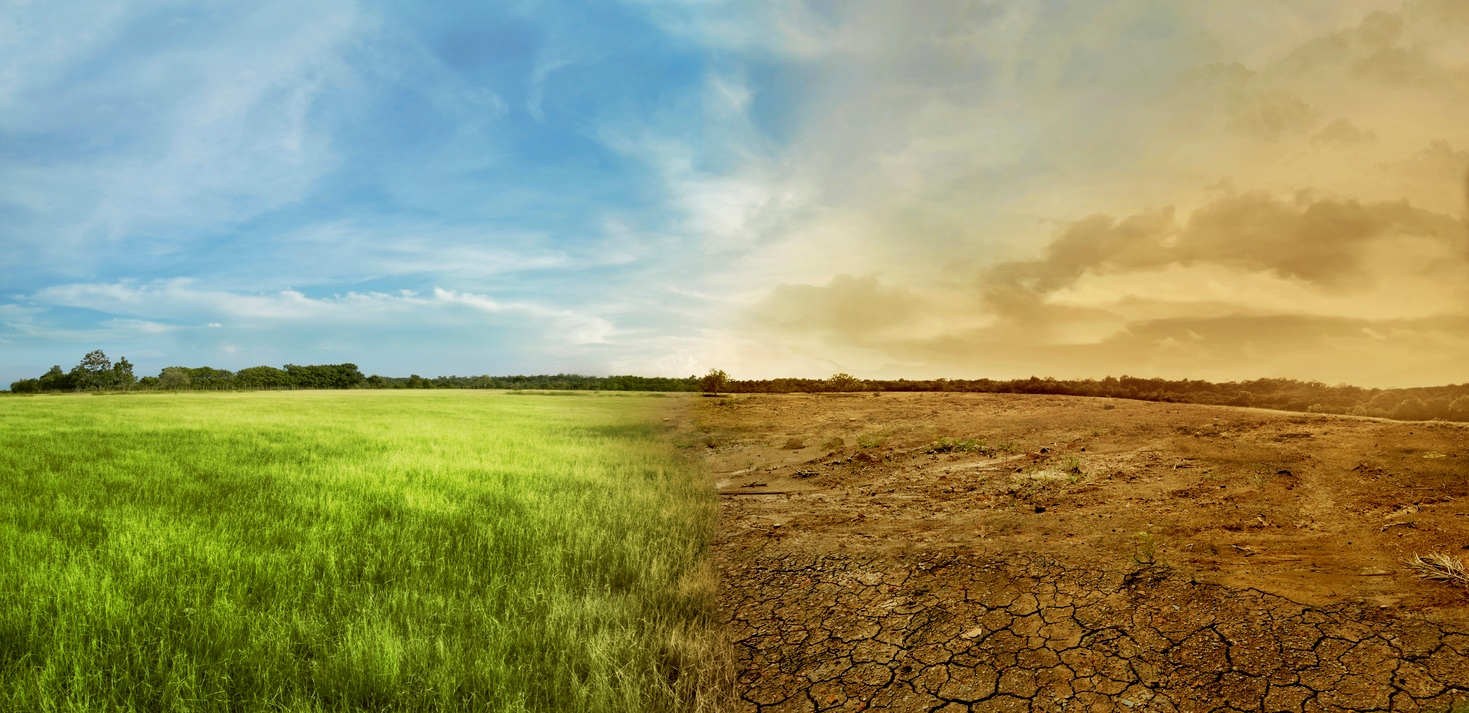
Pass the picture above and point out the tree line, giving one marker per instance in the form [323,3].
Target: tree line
[1448,403]
[95,372]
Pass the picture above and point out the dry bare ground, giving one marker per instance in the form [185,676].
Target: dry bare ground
[976,552]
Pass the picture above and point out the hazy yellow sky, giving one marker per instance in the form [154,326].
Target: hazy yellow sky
[1178,189]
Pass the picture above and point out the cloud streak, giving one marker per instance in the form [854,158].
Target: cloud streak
[183,302]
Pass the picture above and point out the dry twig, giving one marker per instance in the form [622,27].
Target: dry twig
[1439,566]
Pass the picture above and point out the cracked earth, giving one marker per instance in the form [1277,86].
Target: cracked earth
[932,552]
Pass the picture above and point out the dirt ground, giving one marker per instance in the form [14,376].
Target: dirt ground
[968,552]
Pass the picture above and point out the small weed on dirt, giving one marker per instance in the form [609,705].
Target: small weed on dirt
[834,442]
[1147,549]
[793,444]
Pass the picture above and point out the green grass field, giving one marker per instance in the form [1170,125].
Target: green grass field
[315,551]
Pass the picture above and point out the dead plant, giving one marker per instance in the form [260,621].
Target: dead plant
[1439,566]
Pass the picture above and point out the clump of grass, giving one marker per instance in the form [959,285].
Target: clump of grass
[870,440]
[310,551]
[833,443]
[1147,549]
[794,444]
[1439,567]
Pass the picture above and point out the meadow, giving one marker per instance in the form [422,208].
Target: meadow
[326,551]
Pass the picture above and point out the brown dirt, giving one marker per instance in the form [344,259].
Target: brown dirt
[1086,554]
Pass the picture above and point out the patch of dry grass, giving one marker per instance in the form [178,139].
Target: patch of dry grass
[1440,567]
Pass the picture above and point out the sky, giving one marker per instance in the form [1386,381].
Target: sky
[1072,188]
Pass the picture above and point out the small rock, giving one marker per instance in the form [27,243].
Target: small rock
[1040,508]
[974,633]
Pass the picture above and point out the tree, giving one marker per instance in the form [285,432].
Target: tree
[174,378]
[1411,409]
[325,376]
[93,372]
[122,374]
[57,380]
[1458,409]
[714,382]
[844,382]
[25,386]
[263,377]
[208,377]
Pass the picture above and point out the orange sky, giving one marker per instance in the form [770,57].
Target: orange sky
[1251,189]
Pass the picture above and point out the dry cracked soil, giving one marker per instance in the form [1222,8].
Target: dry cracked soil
[987,552]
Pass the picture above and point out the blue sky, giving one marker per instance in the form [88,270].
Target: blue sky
[774,187]
[455,187]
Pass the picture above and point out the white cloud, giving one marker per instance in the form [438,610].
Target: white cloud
[788,28]
[195,117]
[569,327]
[183,300]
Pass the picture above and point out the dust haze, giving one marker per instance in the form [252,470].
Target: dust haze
[1049,201]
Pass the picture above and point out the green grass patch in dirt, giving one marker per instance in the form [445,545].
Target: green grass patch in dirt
[324,551]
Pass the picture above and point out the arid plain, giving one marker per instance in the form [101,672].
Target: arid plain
[966,552]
